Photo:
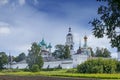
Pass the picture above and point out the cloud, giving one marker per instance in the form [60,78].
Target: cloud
[3,2]
[98,42]
[4,28]
[51,22]
[21,2]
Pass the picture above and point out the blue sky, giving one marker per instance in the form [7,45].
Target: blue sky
[25,21]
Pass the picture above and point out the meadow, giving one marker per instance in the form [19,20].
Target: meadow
[61,73]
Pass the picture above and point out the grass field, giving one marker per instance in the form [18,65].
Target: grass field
[62,73]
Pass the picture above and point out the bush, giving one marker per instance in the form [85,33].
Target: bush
[118,66]
[35,68]
[98,66]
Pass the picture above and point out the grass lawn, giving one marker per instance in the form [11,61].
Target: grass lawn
[62,73]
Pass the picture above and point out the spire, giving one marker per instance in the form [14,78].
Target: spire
[85,41]
[80,44]
[69,29]
[85,38]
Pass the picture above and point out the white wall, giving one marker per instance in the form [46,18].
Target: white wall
[62,63]
[78,59]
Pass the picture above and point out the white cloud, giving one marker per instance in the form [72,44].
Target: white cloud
[3,2]
[23,48]
[4,28]
[101,42]
[22,2]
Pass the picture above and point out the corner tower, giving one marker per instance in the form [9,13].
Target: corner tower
[69,39]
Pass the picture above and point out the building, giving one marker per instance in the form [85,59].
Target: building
[77,57]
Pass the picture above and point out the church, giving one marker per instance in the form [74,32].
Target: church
[77,57]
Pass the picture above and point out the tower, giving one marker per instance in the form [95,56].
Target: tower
[69,39]
[43,45]
[49,47]
[85,42]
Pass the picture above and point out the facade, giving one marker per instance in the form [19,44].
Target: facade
[77,57]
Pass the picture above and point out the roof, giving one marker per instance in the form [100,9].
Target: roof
[69,34]
[42,43]
[49,46]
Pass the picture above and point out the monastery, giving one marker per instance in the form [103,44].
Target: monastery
[77,57]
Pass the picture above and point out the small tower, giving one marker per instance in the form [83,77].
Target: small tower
[69,39]
[10,60]
[49,47]
[49,50]
[85,42]
[42,44]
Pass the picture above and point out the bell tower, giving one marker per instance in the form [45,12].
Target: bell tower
[69,39]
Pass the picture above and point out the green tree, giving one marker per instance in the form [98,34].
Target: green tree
[62,51]
[67,52]
[59,52]
[3,59]
[99,53]
[92,52]
[109,22]
[34,56]
[102,52]
[20,57]
[106,53]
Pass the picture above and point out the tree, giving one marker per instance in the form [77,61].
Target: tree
[34,57]
[20,57]
[66,52]
[102,52]
[59,52]
[62,51]
[3,59]
[92,52]
[106,53]
[98,53]
[109,22]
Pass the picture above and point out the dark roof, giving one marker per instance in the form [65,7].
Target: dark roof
[69,34]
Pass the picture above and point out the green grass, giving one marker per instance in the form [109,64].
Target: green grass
[63,73]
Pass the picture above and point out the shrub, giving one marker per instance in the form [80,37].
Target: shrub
[118,66]
[98,66]
[35,68]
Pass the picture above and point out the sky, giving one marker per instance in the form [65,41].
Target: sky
[23,22]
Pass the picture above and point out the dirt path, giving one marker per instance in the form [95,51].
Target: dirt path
[37,78]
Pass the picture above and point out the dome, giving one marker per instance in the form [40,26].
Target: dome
[42,43]
[69,34]
[49,46]
[85,37]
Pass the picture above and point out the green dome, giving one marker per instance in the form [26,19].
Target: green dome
[42,43]
[49,46]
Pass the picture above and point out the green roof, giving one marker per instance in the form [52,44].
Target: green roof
[42,43]
[49,46]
